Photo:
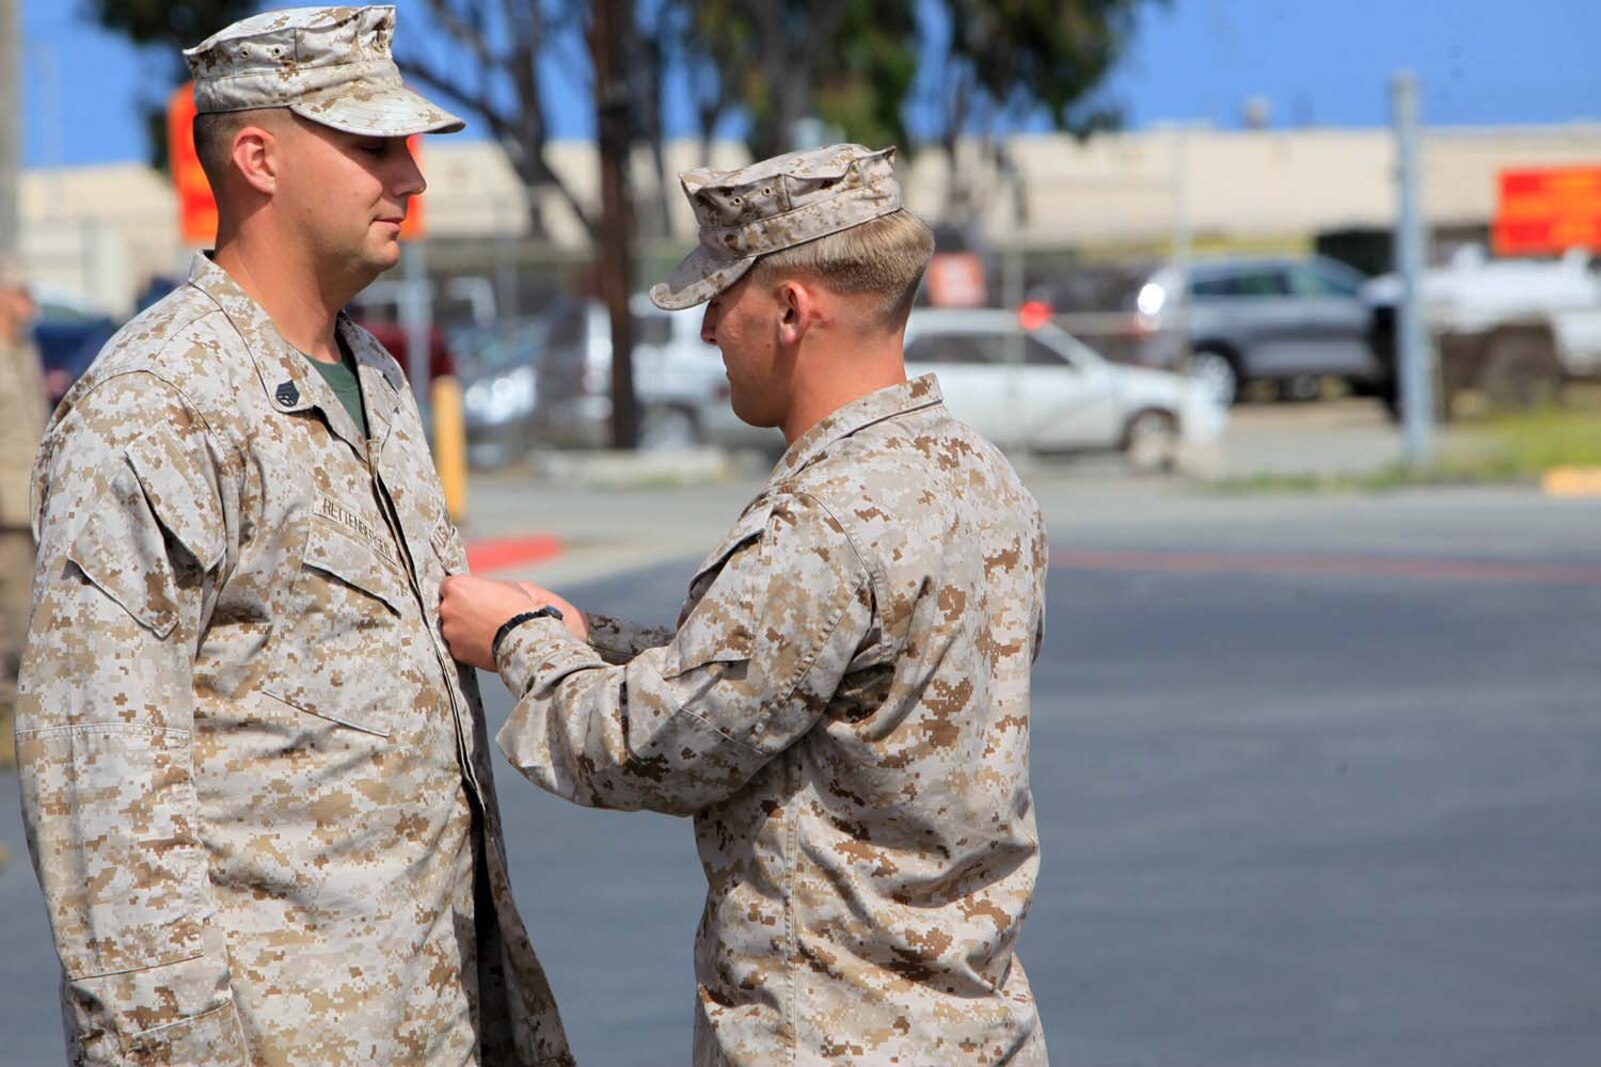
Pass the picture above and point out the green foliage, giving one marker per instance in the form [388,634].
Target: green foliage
[1515,448]
[1016,55]
[861,91]
[849,62]
[171,23]
[854,64]
[1533,442]
[165,27]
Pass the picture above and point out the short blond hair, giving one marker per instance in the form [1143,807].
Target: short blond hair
[885,257]
[214,133]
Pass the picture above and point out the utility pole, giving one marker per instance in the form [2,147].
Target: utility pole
[416,314]
[610,30]
[1183,238]
[1414,360]
[10,129]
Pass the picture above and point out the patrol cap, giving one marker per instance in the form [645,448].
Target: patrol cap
[773,205]
[330,65]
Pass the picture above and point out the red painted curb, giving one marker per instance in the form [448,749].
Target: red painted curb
[501,553]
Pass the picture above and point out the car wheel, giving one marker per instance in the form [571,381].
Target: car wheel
[1299,388]
[1216,371]
[1521,372]
[664,428]
[1152,442]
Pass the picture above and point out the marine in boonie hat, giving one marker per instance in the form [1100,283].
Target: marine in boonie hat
[772,205]
[331,65]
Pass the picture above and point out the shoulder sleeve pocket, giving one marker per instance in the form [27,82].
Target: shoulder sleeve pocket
[157,490]
[180,494]
[719,627]
[749,528]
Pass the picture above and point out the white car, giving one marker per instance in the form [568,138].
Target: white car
[1025,383]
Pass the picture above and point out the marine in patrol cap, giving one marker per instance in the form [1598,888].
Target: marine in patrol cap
[330,65]
[773,205]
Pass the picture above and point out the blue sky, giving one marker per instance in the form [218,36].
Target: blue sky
[1315,62]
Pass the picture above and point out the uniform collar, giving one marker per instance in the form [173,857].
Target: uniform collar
[292,386]
[876,406]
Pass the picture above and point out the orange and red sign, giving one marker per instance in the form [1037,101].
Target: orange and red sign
[412,227]
[1548,211]
[197,208]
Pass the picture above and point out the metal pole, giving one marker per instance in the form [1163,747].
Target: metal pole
[1414,358]
[10,128]
[612,30]
[506,295]
[1012,274]
[1183,238]
[417,318]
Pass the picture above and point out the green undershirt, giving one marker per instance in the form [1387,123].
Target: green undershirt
[341,378]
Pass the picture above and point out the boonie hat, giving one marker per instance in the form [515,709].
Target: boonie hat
[772,205]
[330,65]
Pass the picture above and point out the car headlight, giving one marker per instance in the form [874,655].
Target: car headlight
[1151,299]
[501,398]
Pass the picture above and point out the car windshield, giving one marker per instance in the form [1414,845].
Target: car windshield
[517,347]
[995,345]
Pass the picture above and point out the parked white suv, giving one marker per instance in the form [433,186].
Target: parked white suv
[1513,330]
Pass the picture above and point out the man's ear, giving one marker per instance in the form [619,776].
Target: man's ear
[255,154]
[797,309]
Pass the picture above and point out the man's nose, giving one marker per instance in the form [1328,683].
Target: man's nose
[408,180]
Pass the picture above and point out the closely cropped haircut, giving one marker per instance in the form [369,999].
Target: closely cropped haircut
[885,258]
[214,134]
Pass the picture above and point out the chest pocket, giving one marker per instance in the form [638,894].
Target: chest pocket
[338,643]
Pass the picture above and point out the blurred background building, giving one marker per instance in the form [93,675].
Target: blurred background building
[105,230]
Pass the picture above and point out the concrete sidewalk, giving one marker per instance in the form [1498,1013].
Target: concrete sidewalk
[521,527]
[580,516]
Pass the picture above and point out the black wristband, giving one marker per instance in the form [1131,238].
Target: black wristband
[548,611]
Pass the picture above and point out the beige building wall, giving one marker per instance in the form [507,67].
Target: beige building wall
[103,231]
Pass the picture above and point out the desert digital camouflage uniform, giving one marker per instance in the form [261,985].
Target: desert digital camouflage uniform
[844,709]
[254,780]
[256,787]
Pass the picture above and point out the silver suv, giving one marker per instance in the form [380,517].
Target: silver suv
[676,376]
[1283,319]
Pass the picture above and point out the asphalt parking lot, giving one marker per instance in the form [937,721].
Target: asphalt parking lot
[1316,777]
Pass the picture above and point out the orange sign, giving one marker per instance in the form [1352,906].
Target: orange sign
[1548,211]
[197,211]
[197,208]
[412,228]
